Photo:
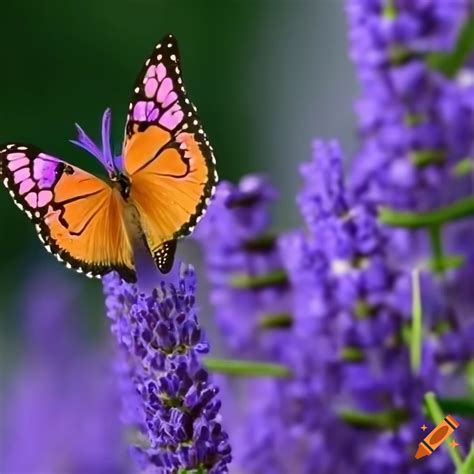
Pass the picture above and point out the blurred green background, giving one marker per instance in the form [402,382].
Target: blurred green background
[267,77]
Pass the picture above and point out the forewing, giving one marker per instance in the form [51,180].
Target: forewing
[78,217]
[166,154]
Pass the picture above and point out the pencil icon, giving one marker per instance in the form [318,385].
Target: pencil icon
[436,437]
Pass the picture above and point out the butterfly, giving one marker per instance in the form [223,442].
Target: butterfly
[155,193]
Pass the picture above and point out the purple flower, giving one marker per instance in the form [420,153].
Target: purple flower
[104,155]
[248,285]
[163,344]
[59,406]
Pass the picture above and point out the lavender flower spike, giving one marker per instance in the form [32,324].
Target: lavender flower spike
[162,340]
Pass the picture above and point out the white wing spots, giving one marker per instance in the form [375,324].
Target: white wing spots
[147,62]
[137,90]
[5,182]
[22,148]
[130,106]
[12,194]
[176,70]
[194,107]
[173,58]
[48,248]
[186,100]
[216,176]
[200,131]
[37,214]
[59,258]
[190,114]
[79,270]
[29,214]
[9,147]
[185,126]
[158,46]
[41,238]
[159,57]
[68,265]
[207,201]
[195,122]
[180,81]
[170,45]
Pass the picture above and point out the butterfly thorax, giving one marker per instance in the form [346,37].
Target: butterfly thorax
[122,183]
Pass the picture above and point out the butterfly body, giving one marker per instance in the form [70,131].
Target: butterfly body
[156,192]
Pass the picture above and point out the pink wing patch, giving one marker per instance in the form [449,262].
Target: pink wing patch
[30,176]
[159,96]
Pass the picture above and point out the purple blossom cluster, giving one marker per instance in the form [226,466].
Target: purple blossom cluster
[58,407]
[249,288]
[415,123]
[178,426]
[354,401]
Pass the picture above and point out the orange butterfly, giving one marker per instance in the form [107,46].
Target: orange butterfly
[158,190]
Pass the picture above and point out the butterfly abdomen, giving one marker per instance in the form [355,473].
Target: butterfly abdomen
[133,224]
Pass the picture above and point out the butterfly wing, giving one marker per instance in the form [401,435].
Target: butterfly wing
[78,217]
[166,155]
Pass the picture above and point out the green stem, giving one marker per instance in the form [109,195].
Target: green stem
[470,376]
[416,324]
[244,368]
[437,415]
[417,220]
[276,320]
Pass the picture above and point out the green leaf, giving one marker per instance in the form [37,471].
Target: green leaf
[250,282]
[467,466]
[352,354]
[199,470]
[424,158]
[450,63]
[276,320]
[457,406]
[244,368]
[460,209]
[416,333]
[463,167]
[389,419]
[437,415]
[389,10]
[447,262]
